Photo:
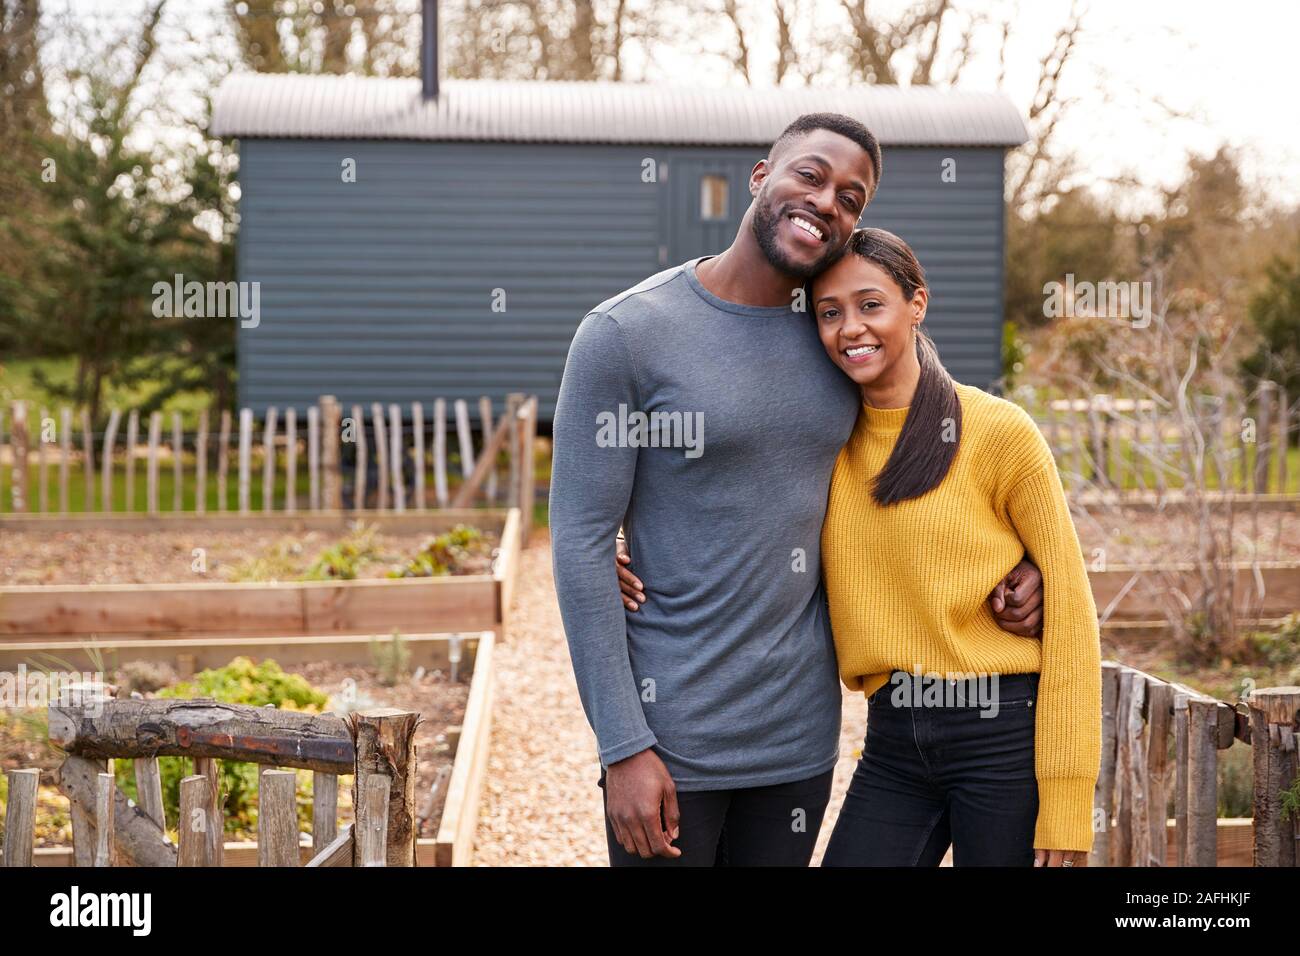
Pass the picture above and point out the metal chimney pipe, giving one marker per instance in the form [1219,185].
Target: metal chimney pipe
[429,50]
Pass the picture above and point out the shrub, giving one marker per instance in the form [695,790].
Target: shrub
[442,554]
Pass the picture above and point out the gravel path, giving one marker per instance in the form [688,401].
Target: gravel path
[541,805]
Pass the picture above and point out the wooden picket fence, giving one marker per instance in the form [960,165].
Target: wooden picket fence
[1139,714]
[376,746]
[1111,442]
[410,452]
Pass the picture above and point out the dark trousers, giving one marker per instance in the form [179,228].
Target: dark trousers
[775,825]
[931,776]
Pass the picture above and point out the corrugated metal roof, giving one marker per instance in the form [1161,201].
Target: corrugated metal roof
[349,107]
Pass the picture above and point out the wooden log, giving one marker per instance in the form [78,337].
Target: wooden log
[381,454]
[42,467]
[440,451]
[395,455]
[20,817]
[338,852]
[202,728]
[214,826]
[268,461]
[65,457]
[384,738]
[223,459]
[313,457]
[1104,794]
[277,819]
[359,438]
[291,461]
[88,461]
[201,465]
[148,786]
[151,464]
[372,823]
[1274,712]
[417,438]
[18,439]
[1160,705]
[324,810]
[138,840]
[1202,781]
[331,462]
[106,472]
[245,459]
[485,421]
[132,440]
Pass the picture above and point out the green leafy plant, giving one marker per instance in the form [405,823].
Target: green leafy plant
[279,563]
[391,658]
[443,553]
[343,561]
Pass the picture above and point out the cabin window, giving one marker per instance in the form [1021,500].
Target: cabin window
[713,197]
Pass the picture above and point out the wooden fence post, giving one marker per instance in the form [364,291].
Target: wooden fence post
[291,461]
[1105,791]
[65,457]
[223,459]
[417,437]
[331,482]
[88,455]
[372,822]
[1202,781]
[201,465]
[1273,729]
[381,454]
[151,473]
[20,817]
[440,451]
[106,474]
[132,439]
[385,747]
[245,458]
[105,785]
[324,810]
[1160,702]
[214,830]
[18,445]
[196,810]
[395,454]
[277,819]
[485,418]
[178,464]
[42,466]
[359,439]
[527,469]
[268,461]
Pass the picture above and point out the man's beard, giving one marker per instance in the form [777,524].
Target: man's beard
[764,224]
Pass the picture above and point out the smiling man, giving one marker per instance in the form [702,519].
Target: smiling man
[716,706]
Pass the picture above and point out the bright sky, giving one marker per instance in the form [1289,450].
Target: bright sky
[1230,67]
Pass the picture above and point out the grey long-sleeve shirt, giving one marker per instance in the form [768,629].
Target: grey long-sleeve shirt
[728,669]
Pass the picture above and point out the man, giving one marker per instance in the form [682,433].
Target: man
[699,412]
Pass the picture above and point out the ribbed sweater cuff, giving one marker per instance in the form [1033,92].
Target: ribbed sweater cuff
[1064,813]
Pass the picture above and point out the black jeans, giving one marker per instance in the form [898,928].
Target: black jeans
[931,776]
[775,825]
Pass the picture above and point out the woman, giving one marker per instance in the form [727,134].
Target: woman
[937,494]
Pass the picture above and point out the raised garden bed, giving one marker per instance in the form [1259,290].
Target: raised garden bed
[183,619]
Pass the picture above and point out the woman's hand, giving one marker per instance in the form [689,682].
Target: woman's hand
[1059,857]
[1017,601]
[628,583]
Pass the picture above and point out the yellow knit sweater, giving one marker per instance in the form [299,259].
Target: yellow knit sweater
[908,584]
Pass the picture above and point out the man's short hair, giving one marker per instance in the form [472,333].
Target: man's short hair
[846,126]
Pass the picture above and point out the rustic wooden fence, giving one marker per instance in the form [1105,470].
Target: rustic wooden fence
[1139,715]
[411,453]
[109,829]
[1113,442]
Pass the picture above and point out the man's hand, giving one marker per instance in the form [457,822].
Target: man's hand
[628,583]
[1017,601]
[636,791]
